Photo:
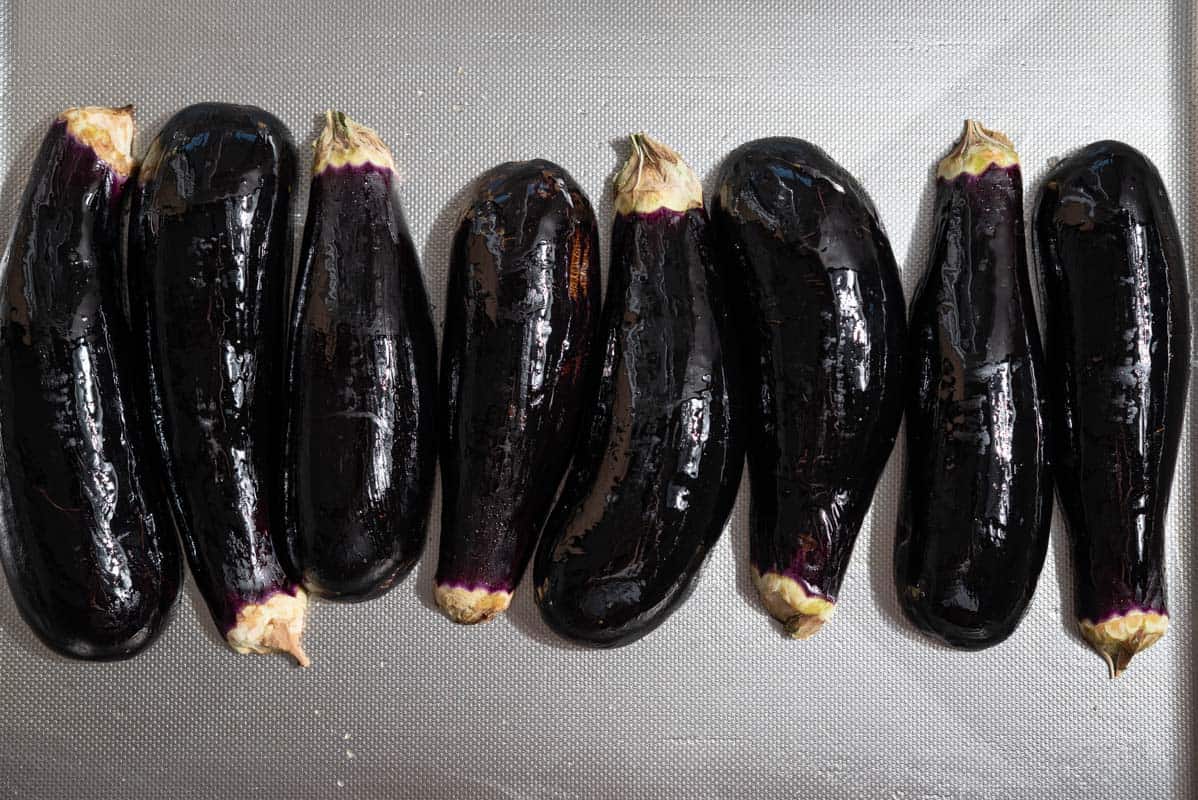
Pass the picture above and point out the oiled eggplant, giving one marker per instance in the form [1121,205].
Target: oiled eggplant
[85,536]
[653,483]
[520,326]
[209,255]
[977,503]
[1118,355]
[360,450]
[819,310]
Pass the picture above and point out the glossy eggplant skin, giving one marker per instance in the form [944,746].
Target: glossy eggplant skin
[209,256]
[973,527]
[85,536]
[361,444]
[1118,350]
[657,470]
[819,311]
[521,323]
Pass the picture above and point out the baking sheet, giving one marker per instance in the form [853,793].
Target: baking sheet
[398,702]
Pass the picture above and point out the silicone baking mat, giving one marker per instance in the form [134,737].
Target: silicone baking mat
[716,703]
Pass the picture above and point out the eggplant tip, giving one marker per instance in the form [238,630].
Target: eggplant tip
[802,613]
[273,626]
[471,606]
[345,143]
[1121,637]
[976,150]
[802,626]
[107,131]
[655,177]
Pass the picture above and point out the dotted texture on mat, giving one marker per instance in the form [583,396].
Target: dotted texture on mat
[715,704]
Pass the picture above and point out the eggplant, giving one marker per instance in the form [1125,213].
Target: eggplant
[819,310]
[521,322]
[1118,350]
[977,503]
[85,536]
[209,257]
[657,469]
[360,448]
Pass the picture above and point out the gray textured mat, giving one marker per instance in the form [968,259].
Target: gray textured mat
[716,703]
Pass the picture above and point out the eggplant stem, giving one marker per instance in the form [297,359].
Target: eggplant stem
[655,177]
[471,606]
[337,122]
[639,154]
[344,142]
[803,626]
[274,625]
[1119,638]
[107,131]
[279,637]
[977,150]
[801,611]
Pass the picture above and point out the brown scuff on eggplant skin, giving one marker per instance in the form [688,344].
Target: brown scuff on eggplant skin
[360,452]
[977,499]
[86,538]
[209,257]
[1117,312]
[657,469]
[819,311]
[520,328]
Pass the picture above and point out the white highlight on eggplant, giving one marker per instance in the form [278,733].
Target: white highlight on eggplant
[695,415]
[679,498]
[536,301]
[103,490]
[851,331]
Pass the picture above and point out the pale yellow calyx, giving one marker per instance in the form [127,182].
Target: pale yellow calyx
[975,151]
[653,177]
[1119,638]
[107,131]
[801,613]
[471,606]
[275,625]
[344,142]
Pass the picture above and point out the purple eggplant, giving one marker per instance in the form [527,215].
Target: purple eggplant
[520,325]
[85,535]
[1118,353]
[658,466]
[360,450]
[209,256]
[819,310]
[973,529]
